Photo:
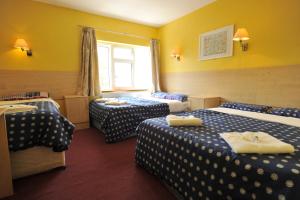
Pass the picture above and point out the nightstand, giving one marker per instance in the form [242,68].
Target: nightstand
[6,186]
[77,110]
[203,102]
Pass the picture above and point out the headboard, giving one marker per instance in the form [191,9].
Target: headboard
[277,86]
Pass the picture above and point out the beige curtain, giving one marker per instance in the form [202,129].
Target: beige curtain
[89,84]
[155,59]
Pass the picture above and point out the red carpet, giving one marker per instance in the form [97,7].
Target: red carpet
[95,170]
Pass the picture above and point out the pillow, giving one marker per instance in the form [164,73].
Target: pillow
[24,96]
[160,95]
[176,96]
[287,112]
[246,107]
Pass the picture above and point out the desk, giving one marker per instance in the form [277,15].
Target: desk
[6,187]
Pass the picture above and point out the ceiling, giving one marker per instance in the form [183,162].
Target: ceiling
[149,12]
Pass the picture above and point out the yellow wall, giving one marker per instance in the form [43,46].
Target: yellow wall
[273,26]
[54,35]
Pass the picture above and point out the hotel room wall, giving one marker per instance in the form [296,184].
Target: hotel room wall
[54,35]
[268,73]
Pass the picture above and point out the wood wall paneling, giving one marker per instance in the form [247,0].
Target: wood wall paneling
[275,86]
[57,83]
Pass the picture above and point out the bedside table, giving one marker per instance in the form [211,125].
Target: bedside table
[77,110]
[6,186]
[203,102]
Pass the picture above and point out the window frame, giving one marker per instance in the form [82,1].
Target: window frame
[110,70]
[121,60]
[112,61]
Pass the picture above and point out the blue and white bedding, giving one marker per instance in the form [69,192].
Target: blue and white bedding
[170,96]
[119,122]
[287,112]
[199,164]
[42,127]
[246,107]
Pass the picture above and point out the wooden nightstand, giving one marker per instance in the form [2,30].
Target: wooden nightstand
[6,187]
[203,102]
[77,110]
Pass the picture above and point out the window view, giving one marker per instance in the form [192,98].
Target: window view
[124,67]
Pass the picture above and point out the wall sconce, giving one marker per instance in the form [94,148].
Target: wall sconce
[22,44]
[175,54]
[242,36]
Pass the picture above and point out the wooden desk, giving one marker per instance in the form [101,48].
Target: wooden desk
[6,187]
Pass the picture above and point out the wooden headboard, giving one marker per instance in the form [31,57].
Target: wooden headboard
[274,86]
[57,83]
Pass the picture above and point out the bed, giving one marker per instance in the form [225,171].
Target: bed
[197,163]
[37,139]
[119,122]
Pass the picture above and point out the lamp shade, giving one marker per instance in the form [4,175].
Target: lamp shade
[21,44]
[241,34]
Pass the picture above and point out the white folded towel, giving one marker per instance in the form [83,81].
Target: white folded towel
[18,108]
[256,142]
[103,100]
[115,103]
[174,120]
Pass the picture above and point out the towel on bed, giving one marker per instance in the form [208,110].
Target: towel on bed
[190,120]
[15,102]
[256,142]
[18,108]
[115,103]
[103,100]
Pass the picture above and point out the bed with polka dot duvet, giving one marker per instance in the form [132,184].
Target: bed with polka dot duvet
[198,164]
[119,122]
[44,126]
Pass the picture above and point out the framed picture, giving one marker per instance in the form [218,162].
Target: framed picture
[217,43]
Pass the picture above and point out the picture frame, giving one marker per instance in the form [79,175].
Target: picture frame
[216,44]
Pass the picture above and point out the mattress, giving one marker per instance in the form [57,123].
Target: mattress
[199,164]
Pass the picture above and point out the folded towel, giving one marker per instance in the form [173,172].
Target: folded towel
[29,101]
[18,108]
[174,120]
[115,103]
[103,100]
[256,142]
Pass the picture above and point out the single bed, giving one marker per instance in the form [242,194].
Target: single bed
[119,122]
[37,139]
[198,164]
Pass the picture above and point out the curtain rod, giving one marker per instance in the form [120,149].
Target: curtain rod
[116,32]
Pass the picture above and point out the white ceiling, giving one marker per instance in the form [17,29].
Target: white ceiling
[148,12]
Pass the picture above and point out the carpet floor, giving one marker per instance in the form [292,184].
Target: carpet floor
[95,170]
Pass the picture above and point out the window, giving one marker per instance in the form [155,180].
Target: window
[124,67]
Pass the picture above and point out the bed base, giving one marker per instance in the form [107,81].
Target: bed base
[35,160]
[96,124]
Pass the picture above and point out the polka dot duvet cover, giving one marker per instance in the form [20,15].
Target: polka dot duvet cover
[119,122]
[199,164]
[42,127]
